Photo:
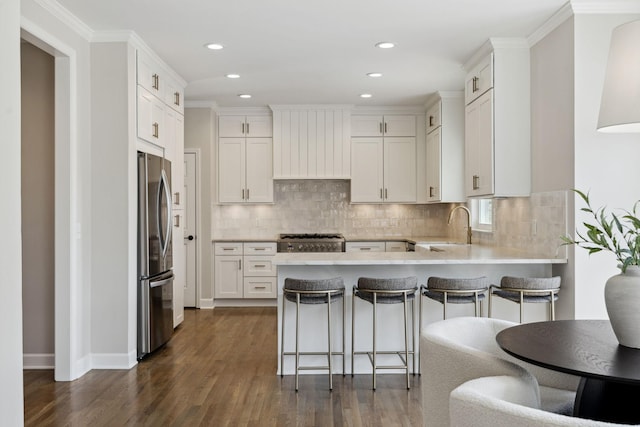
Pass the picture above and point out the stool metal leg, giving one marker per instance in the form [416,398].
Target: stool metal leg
[329,339]
[353,325]
[344,339]
[374,339]
[406,339]
[297,338]
[521,306]
[282,338]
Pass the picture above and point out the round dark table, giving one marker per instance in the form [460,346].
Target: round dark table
[610,373]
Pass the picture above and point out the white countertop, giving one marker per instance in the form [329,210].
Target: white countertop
[450,254]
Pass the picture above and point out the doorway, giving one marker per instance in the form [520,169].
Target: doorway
[38,206]
[191,227]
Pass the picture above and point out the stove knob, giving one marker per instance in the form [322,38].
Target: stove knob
[300,247]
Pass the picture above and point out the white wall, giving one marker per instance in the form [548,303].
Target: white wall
[552,136]
[605,164]
[199,132]
[11,393]
[114,207]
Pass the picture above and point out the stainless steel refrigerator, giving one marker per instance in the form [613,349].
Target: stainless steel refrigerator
[155,275]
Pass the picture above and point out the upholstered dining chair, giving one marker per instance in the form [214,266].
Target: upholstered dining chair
[507,401]
[456,350]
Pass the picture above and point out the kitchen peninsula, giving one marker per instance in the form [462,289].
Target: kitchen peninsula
[429,259]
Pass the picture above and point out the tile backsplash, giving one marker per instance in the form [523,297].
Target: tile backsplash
[319,206]
[534,223]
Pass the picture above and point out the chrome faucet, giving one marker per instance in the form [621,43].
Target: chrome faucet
[468,220]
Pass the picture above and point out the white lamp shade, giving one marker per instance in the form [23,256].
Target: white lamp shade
[620,105]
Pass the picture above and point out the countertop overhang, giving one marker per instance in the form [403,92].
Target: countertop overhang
[449,254]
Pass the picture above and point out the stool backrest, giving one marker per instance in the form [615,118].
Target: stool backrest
[533,283]
[396,284]
[457,284]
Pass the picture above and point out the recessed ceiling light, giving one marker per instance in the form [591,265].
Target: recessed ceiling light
[374,74]
[214,46]
[244,95]
[233,76]
[366,95]
[385,45]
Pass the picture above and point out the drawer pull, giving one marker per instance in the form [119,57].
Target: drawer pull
[260,287]
[365,249]
[259,249]
[260,265]
[228,249]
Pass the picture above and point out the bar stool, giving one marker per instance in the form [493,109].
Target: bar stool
[454,291]
[321,291]
[386,291]
[523,290]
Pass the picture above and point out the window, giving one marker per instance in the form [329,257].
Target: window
[482,214]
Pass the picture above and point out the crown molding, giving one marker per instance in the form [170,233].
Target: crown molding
[301,107]
[67,18]
[583,7]
[201,104]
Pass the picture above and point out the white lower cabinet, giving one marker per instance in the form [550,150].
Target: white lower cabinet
[179,267]
[381,246]
[244,270]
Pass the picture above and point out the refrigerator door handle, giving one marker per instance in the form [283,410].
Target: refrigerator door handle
[164,229]
[160,282]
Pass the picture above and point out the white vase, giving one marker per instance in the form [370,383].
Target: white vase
[622,298]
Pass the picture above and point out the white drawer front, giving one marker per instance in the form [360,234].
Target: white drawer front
[258,266]
[364,247]
[396,246]
[260,248]
[260,287]
[228,248]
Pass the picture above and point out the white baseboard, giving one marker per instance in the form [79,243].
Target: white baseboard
[206,303]
[246,302]
[38,361]
[114,360]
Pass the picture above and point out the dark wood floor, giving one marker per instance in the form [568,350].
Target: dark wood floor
[219,369]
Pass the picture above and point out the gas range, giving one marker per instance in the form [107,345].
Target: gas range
[316,242]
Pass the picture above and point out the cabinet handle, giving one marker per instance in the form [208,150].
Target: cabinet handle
[260,265]
[385,127]
[365,249]
[176,221]
[239,264]
[386,196]
[259,249]
[380,128]
[247,128]
[155,81]
[228,249]
[176,98]
[430,121]
[243,128]
[176,199]
[476,182]
[381,193]
[260,287]
[430,191]
[156,130]
[475,84]
[243,194]
[247,194]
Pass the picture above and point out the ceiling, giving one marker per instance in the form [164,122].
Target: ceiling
[316,51]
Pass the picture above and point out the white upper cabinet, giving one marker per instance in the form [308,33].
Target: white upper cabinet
[151,116]
[479,79]
[245,126]
[445,149]
[311,142]
[497,121]
[245,163]
[385,125]
[383,170]
[383,159]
